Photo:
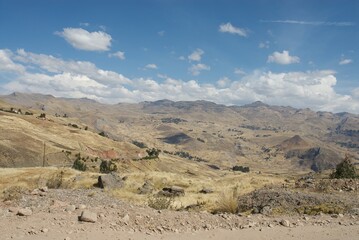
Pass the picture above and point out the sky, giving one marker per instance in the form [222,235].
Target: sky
[290,53]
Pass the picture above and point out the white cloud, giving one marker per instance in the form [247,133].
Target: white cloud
[229,28]
[7,64]
[196,55]
[313,23]
[196,69]
[182,58]
[345,61]
[264,44]
[224,82]
[161,33]
[120,55]
[282,58]
[239,71]
[50,75]
[151,66]
[90,41]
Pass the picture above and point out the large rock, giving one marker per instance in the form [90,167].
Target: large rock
[87,216]
[24,212]
[110,181]
[173,191]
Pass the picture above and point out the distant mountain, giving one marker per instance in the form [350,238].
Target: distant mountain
[256,135]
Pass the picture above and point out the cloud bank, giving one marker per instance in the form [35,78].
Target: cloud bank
[30,72]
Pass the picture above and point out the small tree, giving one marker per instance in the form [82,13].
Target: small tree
[345,169]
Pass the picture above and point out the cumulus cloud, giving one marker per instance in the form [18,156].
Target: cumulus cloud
[282,58]
[151,66]
[196,55]
[229,28]
[82,39]
[7,64]
[68,78]
[120,55]
[345,61]
[196,69]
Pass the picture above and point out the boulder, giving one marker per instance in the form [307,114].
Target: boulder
[87,216]
[24,212]
[173,191]
[110,181]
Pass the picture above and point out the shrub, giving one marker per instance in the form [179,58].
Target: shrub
[159,202]
[79,164]
[345,169]
[56,180]
[13,193]
[240,169]
[139,144]
[228,202]
[107,166]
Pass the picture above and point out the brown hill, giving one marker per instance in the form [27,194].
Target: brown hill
[221,135]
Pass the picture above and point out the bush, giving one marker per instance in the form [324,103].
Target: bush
[56,180]
[159,202]
[345,169]
[13,193]
[139,144]
[240,169]
[107,166]
[79,165]
[228,202]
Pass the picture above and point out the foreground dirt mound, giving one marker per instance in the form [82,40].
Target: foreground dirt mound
[278,201]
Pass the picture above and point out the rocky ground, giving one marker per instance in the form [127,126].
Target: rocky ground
[93,214]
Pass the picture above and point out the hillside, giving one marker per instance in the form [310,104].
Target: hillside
[255,135]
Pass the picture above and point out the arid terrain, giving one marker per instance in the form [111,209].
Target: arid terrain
[193,170]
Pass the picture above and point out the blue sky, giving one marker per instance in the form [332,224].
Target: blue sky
[298,53]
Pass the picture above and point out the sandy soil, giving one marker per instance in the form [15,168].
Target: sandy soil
[55,215]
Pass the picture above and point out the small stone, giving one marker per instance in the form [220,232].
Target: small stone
[340,215]
[44,189]
[67,238]
[284,223]
[70,208]
[125,219]
[13,210]
[24,212]
[81,206]
[87,216]
[44,230]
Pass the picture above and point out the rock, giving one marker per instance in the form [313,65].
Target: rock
[13,210]
[70,208]
[110,181]
[266,210]
[125,219]
[44,230]
[35,192]
[173,191]
[354,211]
[81,206]
[24,212]
[146,188]
[284,223]
[87,216]
[206,190]
[44,189]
